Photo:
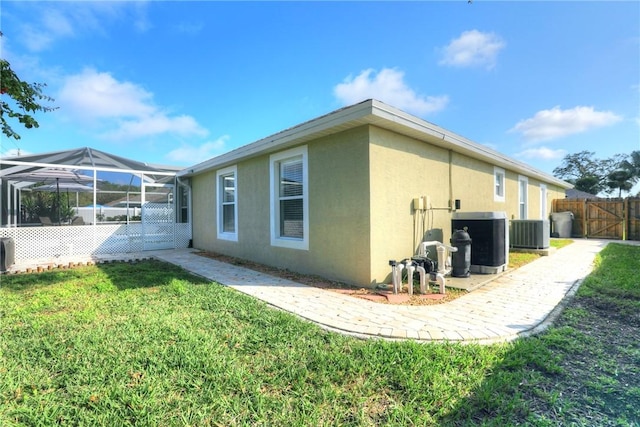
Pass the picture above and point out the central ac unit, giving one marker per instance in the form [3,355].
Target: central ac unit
[489,236]
[531,234]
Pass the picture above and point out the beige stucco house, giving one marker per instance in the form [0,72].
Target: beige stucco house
[335,196]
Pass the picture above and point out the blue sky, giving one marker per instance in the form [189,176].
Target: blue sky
[180,82]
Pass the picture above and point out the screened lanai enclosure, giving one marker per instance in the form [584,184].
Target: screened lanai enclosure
[79,203]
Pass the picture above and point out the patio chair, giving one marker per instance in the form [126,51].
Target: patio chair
[77,220]
[46,221]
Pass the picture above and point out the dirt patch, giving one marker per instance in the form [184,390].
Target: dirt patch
[380,296]
[598,370]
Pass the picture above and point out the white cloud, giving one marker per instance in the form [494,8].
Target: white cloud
[191,155]
[473,49]
[35,40]
[387,86]
[52,26]
[57,23]
[542,153]
[124,108]
[156,124]
[93,95]
[556,123]
[52,21]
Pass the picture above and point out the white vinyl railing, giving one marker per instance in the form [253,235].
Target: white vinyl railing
[51,243]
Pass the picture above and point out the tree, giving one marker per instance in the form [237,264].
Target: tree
[628,174]
[632,164]
[587,173]
[620,179]
[583,171]
[588,184]
[27,97]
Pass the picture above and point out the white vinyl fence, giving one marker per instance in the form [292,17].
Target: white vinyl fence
[48,244]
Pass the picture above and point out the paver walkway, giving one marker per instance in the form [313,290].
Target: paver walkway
[517,303]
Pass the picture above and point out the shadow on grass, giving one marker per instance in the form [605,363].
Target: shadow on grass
[27,281]
[146,273]
[113,275]
[585,370]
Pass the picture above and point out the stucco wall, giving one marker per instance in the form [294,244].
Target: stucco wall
[403,169]
[362,183]
[203,205]
[339,206]
[338,211]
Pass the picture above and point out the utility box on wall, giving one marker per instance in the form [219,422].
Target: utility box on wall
[490,239]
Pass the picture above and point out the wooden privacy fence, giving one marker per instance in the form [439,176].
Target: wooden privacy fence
[603,218]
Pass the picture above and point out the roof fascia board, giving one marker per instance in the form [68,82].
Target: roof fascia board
[450,140]
[287,137]
[379,114]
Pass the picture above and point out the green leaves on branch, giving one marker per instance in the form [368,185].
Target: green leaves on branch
[594,176]
[26,96]
[620,179]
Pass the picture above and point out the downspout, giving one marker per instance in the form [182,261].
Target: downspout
[451,205]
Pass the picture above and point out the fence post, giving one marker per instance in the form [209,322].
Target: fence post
[625,216]
[585,231]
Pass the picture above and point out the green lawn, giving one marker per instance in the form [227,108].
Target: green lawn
[518,259]
[148,344]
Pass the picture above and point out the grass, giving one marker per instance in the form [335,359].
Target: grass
[148,344]
[518,259]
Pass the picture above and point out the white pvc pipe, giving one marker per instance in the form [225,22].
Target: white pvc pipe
[442,253]
[397,283]
[423,281]
[422,251]
[441,282]
[393,274]
[394,278]
[441,257]
[410,269]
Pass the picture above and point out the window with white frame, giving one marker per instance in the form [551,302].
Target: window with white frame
[543,201]
[523,197]
[289,199]
[499,184]
[227,198]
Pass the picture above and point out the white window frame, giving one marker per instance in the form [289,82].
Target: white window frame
[523,197]
[220,203]
[499,191]
[543,201]
[274,195]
